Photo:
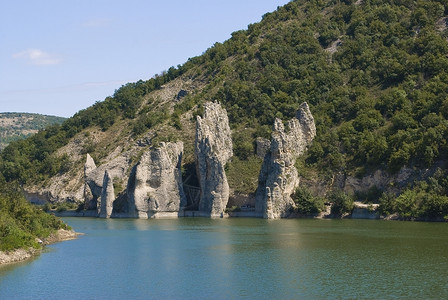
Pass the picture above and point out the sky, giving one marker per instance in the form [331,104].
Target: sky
[58,57]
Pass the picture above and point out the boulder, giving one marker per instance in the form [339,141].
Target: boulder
[213,149]
[278,176]
[155,183]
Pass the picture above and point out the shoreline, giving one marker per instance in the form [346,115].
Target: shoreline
[360,211]
[20,255]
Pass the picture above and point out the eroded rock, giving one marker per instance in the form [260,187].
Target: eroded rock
[89,185]
[213,149]
[278,176]
[106,201]
[94,177]
[155,184]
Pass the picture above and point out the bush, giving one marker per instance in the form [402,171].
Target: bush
[307,204]
[386,203]
[341,203]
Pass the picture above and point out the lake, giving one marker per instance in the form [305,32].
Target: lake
[199,258]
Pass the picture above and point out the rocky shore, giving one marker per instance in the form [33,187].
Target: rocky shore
[19,255]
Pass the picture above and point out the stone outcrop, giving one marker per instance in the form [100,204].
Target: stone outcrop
[94,177]
[106,201]
[155,184]
[213,149]
[278,176]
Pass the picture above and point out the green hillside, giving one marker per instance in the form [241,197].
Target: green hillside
[16,126]
[374,72]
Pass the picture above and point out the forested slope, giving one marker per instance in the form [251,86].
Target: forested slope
[374,72]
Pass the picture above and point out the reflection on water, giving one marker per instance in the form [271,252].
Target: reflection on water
[235,258]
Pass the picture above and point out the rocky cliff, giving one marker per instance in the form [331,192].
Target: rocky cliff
[155,184]
[278,176]
[213,149]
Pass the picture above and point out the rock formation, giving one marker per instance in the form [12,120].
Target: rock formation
[278,176]
[106,201]
[90,165]
[94,176]
[155,184]
[213,149]
[91,190]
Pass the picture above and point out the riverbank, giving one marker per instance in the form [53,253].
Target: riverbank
[20,255]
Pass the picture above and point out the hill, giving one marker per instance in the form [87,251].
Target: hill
[374,73]
[15,126]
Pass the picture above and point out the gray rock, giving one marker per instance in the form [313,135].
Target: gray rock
[92,191]
[106,201]
[213,149]
[263,146]
[155,184]
[278,176]
[89,166]
[94,177]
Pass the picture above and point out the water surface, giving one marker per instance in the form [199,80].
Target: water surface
[237,258]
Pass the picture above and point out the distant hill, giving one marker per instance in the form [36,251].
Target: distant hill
[15,126]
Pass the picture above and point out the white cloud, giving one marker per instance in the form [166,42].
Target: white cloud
[37,57]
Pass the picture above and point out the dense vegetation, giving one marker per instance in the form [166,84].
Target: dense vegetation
[16,126]
[20,222]
[375,73]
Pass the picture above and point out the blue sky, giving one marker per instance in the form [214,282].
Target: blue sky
[58,56]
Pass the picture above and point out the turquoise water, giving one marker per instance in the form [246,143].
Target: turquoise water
[195,258]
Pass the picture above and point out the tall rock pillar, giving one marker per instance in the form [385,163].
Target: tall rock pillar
[106,203]
[213,149]
[90,198]
[278,176]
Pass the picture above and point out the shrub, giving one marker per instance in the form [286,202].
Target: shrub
[341,203]
[307,204]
